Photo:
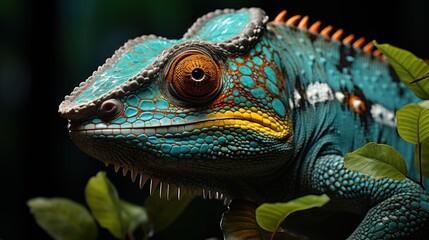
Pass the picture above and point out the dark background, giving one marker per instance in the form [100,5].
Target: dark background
[48,47]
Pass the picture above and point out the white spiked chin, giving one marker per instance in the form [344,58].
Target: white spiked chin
[170,189]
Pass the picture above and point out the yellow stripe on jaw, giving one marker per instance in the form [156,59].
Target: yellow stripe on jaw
[248,120]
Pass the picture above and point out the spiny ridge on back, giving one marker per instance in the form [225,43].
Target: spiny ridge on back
[302,23]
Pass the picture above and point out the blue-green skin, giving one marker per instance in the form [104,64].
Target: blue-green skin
[255,165]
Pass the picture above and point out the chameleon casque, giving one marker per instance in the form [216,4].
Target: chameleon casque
[245,108]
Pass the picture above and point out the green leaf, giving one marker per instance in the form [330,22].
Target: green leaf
[63,218]
[135,214]
[378,161]
[239,222]
[408,67]
[424,104]
[270,215]
[413,123]
[102,198]
[163,212]
[424,156]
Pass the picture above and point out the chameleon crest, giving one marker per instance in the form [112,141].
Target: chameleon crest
[245,108]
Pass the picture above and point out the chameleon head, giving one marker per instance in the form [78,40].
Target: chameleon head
[207,113]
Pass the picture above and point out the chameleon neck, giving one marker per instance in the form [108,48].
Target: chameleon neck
[322,106]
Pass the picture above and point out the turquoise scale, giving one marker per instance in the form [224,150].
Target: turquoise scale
[267,92]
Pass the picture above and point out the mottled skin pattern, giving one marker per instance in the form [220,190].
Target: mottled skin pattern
[242,108]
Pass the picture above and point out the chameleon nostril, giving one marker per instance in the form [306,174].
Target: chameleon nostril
[110,109]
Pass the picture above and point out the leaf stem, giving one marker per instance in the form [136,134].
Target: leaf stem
[419,152]
[272,235]
[130,236]
[420,78]
[277,229]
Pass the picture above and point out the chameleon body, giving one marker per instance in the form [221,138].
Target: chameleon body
[245,108]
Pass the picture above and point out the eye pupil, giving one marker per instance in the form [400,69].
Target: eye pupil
[197,74]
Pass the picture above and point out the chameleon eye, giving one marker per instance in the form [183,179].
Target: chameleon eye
[194,76]
[109,109]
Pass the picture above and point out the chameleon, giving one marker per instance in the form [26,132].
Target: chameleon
[244,108]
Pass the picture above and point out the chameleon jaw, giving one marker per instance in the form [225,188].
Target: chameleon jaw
[242,119]
[146,172]
[153,167]
[169,190]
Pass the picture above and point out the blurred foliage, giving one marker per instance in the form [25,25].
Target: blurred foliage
[65,219]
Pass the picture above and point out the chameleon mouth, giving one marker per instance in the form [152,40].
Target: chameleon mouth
[241,119]
[156,177]
[103,129]
[170,190]
[142,170]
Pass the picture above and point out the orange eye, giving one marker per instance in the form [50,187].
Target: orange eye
[194,75]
